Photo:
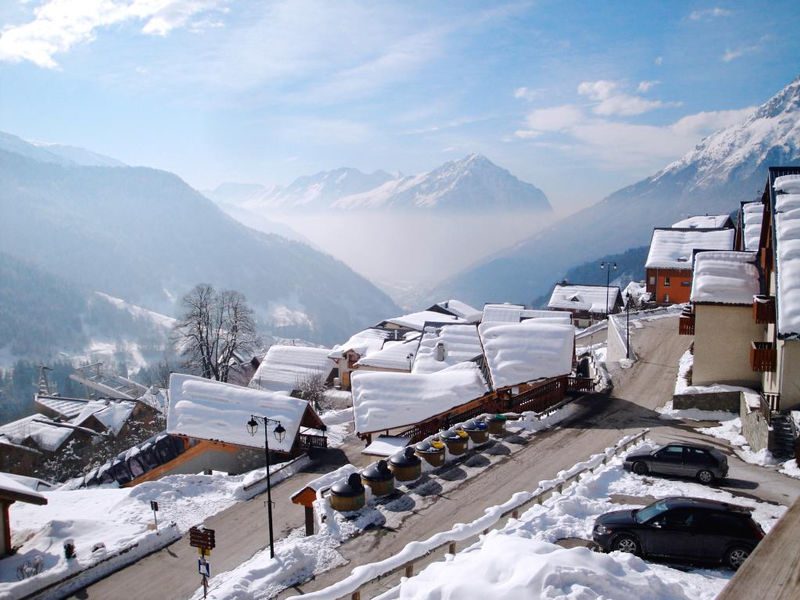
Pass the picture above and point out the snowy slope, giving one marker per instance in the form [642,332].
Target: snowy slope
[724,169]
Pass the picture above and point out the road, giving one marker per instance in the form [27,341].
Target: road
[601,422]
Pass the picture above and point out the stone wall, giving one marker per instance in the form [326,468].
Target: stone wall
[755,428]
[729,401]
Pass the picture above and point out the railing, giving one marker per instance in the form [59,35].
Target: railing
[307,440]
[541,397]
[446,541]
[763,356]
[764,309]
[580,384]
[686,325]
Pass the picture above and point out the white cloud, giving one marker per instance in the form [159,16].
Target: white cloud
[528,94]
[658,61]
[611,101]
[704,123]
[709,13]
[320,131]
[556,118]
[646,86]
[739,52]
[58,25]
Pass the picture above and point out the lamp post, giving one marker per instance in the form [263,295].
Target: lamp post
[280,433]
[608,266]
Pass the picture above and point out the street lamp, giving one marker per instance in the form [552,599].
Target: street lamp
[279,432]
[608,267]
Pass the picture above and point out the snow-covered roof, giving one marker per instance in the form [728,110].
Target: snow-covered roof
[111,414]
[502,313]
[787,249]
[39,430]
[703,222]
[211,410]
[462,310]
[284,367]
[10,488]
[637,290]
[520,352]
[752,215]
[387,400]
[673,248]
[66,407]
[590,298]
[418,320]
[363,342]
[725,277]
[460,343]
[394,355]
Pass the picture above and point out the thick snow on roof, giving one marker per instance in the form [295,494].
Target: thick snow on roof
[36,428]
[787,246]
[418,320]
[64,406]
[502,313]
[591,298]
[284,367]
[460,342]
[788,183]
[462,310]
[387,400]
[211,410]
[672,248]
[753,215]
[111,414]
[725,278]
[363,342]
[520,352]
[702,222]
[394,355]
[26,494]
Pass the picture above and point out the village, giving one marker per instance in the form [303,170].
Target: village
[525,412]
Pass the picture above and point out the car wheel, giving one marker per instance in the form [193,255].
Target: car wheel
[640,468]
[736,556]
[625,543]
[705,476]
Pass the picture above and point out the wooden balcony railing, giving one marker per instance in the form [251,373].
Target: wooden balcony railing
[763,356]
[764,309]
[686,325]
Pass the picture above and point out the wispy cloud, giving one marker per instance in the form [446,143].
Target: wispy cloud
[709,13]
[58,25]
[646,86]
[610,100]
[524,93]
[739,52]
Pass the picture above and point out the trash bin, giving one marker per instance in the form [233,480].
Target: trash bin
[379,478]
[455,440]
[478,431]
[497,424]
[406,465]
[347,494]
[433,454]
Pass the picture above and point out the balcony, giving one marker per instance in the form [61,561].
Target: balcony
[686,325]
[763,356]
[764,309]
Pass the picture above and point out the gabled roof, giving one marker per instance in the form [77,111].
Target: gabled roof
[417,320]
[704,222]
[388,400]
[461,310]
[66,407]
[752,216]
[502,313]
[11,489]
[397,355]
[363,342]
[211,410]
[112,414]
[673,248]
[285,367]
[39,430]
[725,277]
[459,343]
[521,352]
[589,298]
[787,253]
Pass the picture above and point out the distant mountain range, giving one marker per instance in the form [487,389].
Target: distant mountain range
[473,184]
[724,169]
[145,236]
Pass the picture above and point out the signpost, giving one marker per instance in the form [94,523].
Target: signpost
[202,539]
[154,508]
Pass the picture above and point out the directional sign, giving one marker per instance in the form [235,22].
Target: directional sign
[204,568]
[201,538]
[153,505]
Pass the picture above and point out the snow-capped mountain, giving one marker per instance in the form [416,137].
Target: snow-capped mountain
[472,184]
[56,153]
[724,169]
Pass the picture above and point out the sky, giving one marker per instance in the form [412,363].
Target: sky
[579,98]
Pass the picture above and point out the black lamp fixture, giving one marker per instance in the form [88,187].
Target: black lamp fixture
[280,433]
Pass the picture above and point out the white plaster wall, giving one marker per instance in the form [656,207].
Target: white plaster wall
[722,338]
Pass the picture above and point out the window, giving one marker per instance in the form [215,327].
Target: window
[666,298]
[666,281]
[652,279]
[686,283]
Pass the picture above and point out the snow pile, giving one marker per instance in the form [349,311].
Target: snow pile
[521,352]
[459,343]
[387,400]
[285,367]
[752,215]
[637,290]
[590,298]
[787,244]
[211,410]
[702,222]
[725,277]
[398,356]
[731,431]
[673,248]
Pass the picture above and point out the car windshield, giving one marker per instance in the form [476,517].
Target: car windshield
[648,512]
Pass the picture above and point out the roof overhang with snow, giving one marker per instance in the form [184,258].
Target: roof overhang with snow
[589,298]
[726,277]
[13,490]
[418,320]
[443,347]
[704,222]
[285,367]
[787,254]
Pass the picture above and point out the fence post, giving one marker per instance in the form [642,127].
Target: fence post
[410,570]
[515,514]
[452,548]
[356,595]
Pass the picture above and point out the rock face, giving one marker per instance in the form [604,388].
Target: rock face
[724,169]
[145,236]
[473,184]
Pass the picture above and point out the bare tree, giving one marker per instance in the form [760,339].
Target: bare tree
[312,388]
[216,327]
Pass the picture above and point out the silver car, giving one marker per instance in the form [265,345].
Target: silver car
[704,463]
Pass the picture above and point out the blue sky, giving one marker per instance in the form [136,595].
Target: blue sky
[579,98]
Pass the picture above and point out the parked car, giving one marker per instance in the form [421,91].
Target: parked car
[681,528]
[686,460]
